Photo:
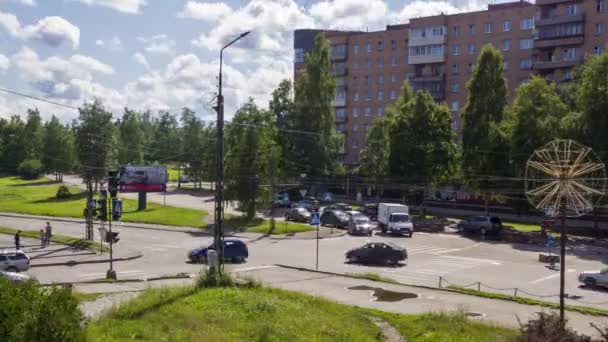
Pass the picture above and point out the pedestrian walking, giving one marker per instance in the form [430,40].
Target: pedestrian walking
[42,238]
[18,240]
[49,233]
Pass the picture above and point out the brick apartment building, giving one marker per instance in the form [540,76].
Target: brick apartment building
[437,54]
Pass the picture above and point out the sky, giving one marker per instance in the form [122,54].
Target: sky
[163,55]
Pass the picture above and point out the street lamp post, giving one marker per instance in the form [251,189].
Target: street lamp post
[218,236]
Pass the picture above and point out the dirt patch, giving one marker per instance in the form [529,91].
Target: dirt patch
[389,333]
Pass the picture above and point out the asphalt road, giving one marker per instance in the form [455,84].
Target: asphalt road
[458,260]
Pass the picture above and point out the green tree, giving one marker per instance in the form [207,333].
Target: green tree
[131,138]
[193,144]
[58,148]
[533,119]
[165,144]
[397,114]
[374,160]
[282,107]
[13,144]
[316,151]
[592,99]
[35,134]
[484,145]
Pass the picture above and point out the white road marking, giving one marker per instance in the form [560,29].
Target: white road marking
[544,278]
[102,275]
[493,262]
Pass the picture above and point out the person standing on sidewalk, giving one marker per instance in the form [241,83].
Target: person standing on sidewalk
[18,240]
[42,238]
[49,232]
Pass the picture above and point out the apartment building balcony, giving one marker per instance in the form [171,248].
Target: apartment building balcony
[339,69]
[340,119]
[541,43]
[427,78]
[557,64]
[561,19]
[434,84]
[427,40]
[550,2]
[338,52]
[426,59]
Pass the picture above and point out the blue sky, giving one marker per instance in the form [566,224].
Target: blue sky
[163,54]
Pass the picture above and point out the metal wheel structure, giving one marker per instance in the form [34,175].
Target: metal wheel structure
[564,179]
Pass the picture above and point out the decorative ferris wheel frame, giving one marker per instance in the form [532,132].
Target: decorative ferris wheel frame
[564,178]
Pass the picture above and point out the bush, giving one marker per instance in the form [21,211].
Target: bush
[63,192]
[548,328]
[30,169]
[29,312]
[208,279]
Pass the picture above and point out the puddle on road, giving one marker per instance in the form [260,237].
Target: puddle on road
[383,295]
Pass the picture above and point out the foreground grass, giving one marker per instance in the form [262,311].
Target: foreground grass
[60,239]
[38,198]
[232,314]
[523,227]
[258,225]
[440,327]
[372,276]
[530,301]
[86,297]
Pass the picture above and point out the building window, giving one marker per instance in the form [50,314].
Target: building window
[572,9]
[455,106]
[355,145]
[568,75]
[471,29]
[367,80]
[356,49]
[368,111]
[506,26]
[506,45]
[379,96]
[355,112]
[456,30]
[393,45]
[526,23]
[356,97]
[355,127]
[601,6]
[368,95]
[393,94]
[368,47]
[488,27]
[380,46]
[505,65]
[367,127]
[355,80]
[455,87]
[525,64]
[470,67]
[472,48]
[598,50]
[569,54]
[355,157]
[408,75]
[599,28]
[526,43]
[340,113]
[356,65]
[299,56]
[394,60]
[380,62]
[393,78]
[379,111]
[379,79]
[455,69]
[456,49]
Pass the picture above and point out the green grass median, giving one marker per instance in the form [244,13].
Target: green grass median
[258,225]
[38,198]
[60,239]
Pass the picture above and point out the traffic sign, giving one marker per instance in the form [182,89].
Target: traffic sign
[303,192]
[550,241]
[314,219]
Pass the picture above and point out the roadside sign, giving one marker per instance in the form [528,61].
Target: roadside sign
[303,192]
[314,219]
[550,241]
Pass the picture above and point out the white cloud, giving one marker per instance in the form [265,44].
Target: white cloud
[124,6]
[421,8]
[52,31]
[4,62]
[207,11]
[349,14]
[114,44]
[158,44]
[31,3]
[141,59]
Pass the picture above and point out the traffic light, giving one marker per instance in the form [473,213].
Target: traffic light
[102,209]
[113,183]
[116,209]
[112,237]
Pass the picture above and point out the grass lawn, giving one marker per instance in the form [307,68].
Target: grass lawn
[86,297]
[258,225]
[530,301]
[173,174]
[61,239]
[231,314]
[522,227]
[38,198]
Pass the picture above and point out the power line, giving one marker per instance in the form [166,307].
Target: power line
[37,98]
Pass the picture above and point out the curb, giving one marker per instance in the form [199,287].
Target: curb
[295,237]
[74,263]
[119,281]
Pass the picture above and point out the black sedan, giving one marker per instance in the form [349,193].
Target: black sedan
[336,218]
[377,253]
[298,214]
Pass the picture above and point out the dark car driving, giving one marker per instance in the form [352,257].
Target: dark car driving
[339,206]
[336,218]
[298,214]
[483,225]
[234,250]
[377,253]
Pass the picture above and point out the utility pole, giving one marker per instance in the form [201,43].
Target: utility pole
[89,211]
[272,220]
[218,234]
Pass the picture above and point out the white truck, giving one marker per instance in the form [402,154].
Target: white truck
[395,218]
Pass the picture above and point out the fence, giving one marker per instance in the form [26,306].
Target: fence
[516,292]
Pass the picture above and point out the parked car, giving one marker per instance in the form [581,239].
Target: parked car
[14,261]
[377,253]
[483,225]
[360,225]
[14,277]
[234,250]
[336,218]
[354,213]
[371,211]
[395,218]
[308,204]
[281,201]
[339,206]
[297,214]
[594,278]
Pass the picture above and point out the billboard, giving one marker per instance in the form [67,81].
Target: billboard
[143,179]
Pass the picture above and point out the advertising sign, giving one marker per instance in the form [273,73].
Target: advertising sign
[143,179]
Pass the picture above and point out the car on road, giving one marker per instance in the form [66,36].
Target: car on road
[594,278]
[354,213]
[14,277]
[360,225]
[339,206]
[482,225]
[308,204]
[234,250]
[14,261]
[336,218]
[281,201]
[297,214]
[377,253]
[394,218]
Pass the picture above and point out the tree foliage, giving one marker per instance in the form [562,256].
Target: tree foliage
[592,99]
[94,140]
[131,138]
[58,148]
